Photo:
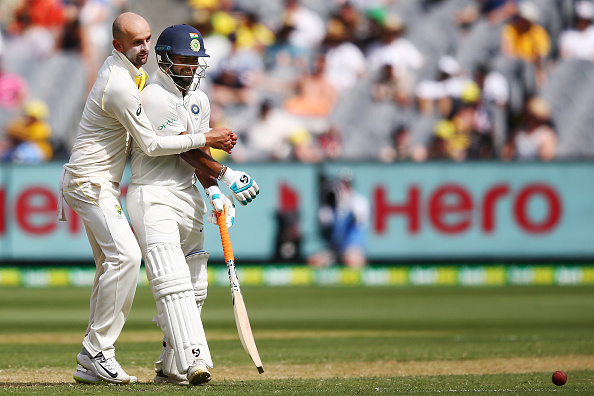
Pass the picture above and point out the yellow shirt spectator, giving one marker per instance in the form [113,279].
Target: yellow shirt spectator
[529,45]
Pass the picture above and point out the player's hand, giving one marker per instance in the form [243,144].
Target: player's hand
[243,187]
[221,138]
[219,201]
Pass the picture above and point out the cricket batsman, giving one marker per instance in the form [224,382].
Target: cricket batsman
[113,118]
[166,208]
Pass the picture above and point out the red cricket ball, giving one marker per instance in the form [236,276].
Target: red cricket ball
[559,378]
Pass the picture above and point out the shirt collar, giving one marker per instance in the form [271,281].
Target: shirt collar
[134,72]
[166,82]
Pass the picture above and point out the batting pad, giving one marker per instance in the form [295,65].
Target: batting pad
[178,314]
[197,262]
[166,361]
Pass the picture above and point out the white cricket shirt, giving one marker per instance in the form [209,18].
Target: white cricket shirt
[170,114]
[113,113]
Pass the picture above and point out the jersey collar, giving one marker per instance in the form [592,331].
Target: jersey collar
[166,82]
[134,72]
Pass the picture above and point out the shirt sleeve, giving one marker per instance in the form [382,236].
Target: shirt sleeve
[125,105]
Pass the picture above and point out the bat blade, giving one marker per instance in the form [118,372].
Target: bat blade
[242,320]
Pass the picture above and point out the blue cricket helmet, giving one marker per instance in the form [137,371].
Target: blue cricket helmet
[181,40]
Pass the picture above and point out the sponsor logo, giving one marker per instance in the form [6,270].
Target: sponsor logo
[118,209]
[195,109]
[139,110]
[168,122]
[195,45]
[100,358]
[196,352]
[112,375]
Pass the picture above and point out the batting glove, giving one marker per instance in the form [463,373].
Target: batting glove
[220,202]
[243,187]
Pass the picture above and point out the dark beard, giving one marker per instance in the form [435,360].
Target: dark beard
[182,81]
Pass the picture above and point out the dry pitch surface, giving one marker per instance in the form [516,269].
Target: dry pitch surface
[341,370]
[389,368]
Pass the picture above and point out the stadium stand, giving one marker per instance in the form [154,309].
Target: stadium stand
[468,30]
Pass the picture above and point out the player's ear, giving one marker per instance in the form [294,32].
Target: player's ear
[117,45]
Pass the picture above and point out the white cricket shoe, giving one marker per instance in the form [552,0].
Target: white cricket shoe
[162,378]
[106,369]
[84,376]
[198,373]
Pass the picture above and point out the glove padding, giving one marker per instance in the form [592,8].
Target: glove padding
[220,202]
[243,187]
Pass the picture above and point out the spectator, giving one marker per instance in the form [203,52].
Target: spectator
[28,136]
[358,26]
[390,87]
[397,51]
[330,143]
[536,139]
[13,89]
[308,27]
[437,96]
[578,43]
[284,51]
[464,135]
[253,34]
[344,218]
[315,97]
[399,147]
[237,75]
[345,63]
[439,145]
[494,85]
[37,28]
[492,108]
[524,39]
[278,136]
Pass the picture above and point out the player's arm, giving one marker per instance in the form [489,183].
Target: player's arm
[129,111]
[217,199]
[126,107]
[243,187]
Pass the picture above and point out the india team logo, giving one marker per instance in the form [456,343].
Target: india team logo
[195,109]
[195,45]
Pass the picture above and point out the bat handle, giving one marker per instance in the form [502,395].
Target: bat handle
[225,240]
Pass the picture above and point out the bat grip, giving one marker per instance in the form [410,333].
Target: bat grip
[225,240]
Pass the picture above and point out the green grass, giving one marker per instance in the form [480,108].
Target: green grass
[325,325]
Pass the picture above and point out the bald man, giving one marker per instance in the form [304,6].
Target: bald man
[90,184]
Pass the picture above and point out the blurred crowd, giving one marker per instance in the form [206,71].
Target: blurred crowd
[32,32]
[353,80]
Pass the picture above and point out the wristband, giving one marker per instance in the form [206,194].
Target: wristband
[222,172]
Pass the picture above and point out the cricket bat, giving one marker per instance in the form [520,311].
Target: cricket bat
[241,317]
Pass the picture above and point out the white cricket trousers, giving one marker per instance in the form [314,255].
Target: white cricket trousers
[117,258]
[165,215]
